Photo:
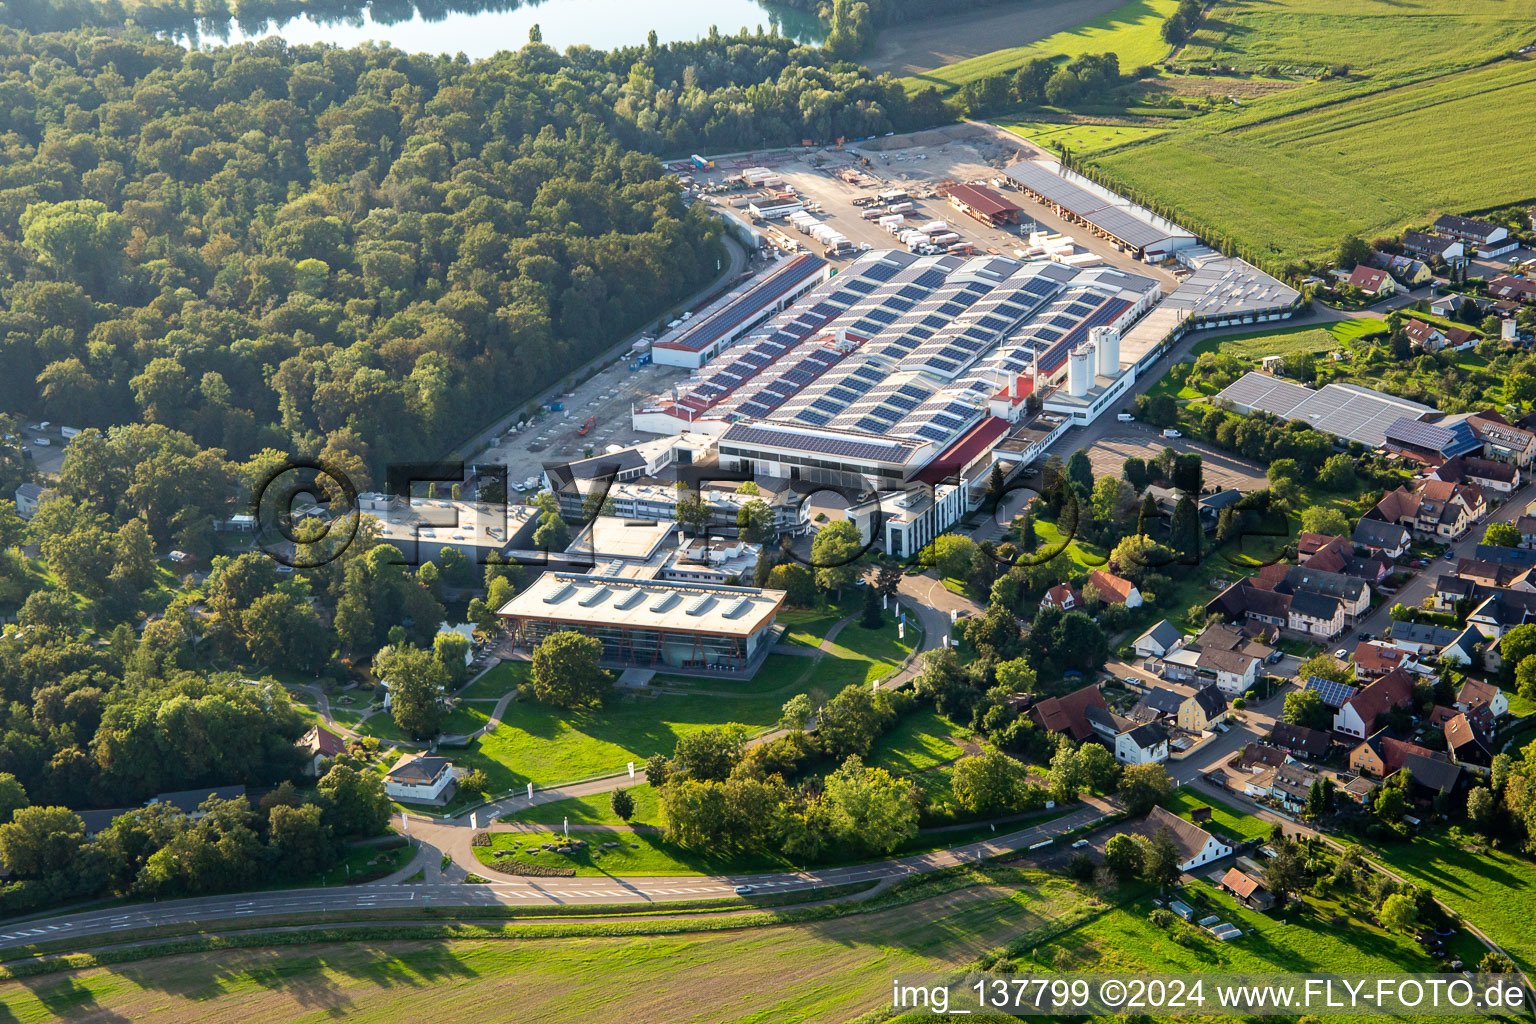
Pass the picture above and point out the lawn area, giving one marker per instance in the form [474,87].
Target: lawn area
[1238,824]
[638,854]
[921,740]
[1494,890]
[1255,346]
[547,745]
[1133,32]
[494,684]
[593,810]
[463,720]
[380,724]
[363,863]
[1089,556]
[1080,139]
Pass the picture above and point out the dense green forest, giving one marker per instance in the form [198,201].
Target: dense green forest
[292,247]
[212,261]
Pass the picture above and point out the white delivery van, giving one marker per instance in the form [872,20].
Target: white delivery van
[1126,417]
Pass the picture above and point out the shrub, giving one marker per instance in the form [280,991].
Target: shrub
[513,867]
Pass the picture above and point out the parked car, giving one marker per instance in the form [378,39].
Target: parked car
[41,442]
[1342,654]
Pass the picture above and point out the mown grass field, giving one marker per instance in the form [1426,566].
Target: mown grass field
[1235,823]
[542,744]
[1254,347]
[1081,139]
[1494,890]
[1134,32]
[1404,39]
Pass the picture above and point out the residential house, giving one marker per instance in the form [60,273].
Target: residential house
[1182,664]
[1522,557]
[1376,658]
[1420,640]
[1436,509]
[1449,305]
[1382,538]
[1158,702]
[1067,714]
[1527,527]
[1291,785]
[1431,776]
[1063,596]
[1476,693]
[1315,615]
[1451,590]
[28,497]
[1515,289]
[1429,338]
[1145,744]
[1247,890]
[1357,716]
[1503,440]
[1234,673]
[1299,741]
[1333,694]
[1352,592]
[1157,641]
[1488,239]
[1256,757]
[1254,605]
[1502,610]
[1196,846]
[1410,273]
[319,745]
[1202,709]
[1382,754]
[419,778]
[1449,249]
[1469,738]
[1501,478]
[1495,575]
[1467,649]
[1375,283]
[1113,589]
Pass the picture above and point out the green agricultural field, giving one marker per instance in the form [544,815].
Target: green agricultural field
[1081,139]
[1133,32]
[828,970]
[1287,182]
[1406,39]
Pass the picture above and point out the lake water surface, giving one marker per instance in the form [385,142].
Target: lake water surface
[602,24]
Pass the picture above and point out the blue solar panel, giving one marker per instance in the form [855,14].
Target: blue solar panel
[929,278]
[1333,694]
[880,272]
[813,418]
[932,433]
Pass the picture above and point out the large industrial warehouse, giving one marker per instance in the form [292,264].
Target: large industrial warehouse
[1133,228]
[898,346]
[649,623]
[1349,411]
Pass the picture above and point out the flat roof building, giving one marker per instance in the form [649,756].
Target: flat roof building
[1133,228]
[650,623]
[703,336]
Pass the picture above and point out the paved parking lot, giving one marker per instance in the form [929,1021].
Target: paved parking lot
[553,437]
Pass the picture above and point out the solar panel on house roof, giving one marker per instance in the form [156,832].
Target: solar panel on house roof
[1334,694]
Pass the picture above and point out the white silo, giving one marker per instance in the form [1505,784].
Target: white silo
[1106,342]
[1507,330]
[1077,371]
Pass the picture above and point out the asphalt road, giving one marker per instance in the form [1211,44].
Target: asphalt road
[308,903]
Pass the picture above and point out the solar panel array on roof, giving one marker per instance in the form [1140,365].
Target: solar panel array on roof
[1334,694]
[1346,410]
[1130,230]
[865,449]
[1432,437]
